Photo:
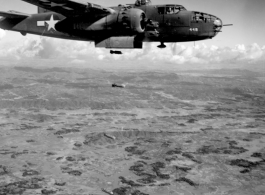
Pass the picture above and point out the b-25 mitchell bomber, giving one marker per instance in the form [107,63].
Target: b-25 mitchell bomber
[120,27]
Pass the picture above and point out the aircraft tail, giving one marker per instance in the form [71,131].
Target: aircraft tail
[11,18]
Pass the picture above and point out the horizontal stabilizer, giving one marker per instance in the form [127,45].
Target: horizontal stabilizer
[14,14]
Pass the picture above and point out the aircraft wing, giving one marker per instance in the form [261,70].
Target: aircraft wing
[72,8]
[13,14]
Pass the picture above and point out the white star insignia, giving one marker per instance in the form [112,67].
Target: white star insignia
[51,23]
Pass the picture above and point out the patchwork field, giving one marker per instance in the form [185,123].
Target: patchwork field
[68,132]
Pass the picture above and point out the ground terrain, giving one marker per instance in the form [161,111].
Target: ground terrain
[66,131]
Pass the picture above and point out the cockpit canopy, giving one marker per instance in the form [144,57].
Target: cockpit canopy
[170,9]
[143,2]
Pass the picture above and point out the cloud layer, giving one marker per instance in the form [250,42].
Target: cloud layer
[2,33]
[83,52]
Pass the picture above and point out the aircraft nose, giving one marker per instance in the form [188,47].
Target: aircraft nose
[218,23]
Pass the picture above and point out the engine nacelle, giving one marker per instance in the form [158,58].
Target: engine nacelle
[126,22]
[132,19]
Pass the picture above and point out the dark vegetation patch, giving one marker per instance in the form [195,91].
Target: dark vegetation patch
[230,149]
[156,168]
[257,133]
[50,153]
[139,169]
[257,155]
[30,141]
[171,159]
[66,131]
[247,140]
[129,182]
[70,158]
[5,152]
[166,144]
[191,120]
[20,187]
[163,176]
[48,192]
[78,144]
[244,163]
[251,126]
[149,172]
[158,165]
[145,157]
[207,129]
[146,180]
[122,191]
[182,125]
[175,151]
[97,139]
[27,127]
[75,173]
[191,157]
[59,158]
[30,173]
[3,170]
[245,171]
[186,180]
[141,162]
[184,169]
[133,150]
[137,192]
[127,190]
[16,154]
[164,184]
[60,183]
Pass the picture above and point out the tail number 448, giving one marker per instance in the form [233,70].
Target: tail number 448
[194,29]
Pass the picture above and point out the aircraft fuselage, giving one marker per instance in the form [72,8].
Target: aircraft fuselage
[166,23]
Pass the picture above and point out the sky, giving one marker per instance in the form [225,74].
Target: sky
[242,44]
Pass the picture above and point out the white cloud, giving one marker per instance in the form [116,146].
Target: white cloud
[76,61]
[84,52]
[2,33]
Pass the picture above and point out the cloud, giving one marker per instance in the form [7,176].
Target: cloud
[2,33]
[75,52]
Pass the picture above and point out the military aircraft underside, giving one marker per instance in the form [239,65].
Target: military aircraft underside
[120,27]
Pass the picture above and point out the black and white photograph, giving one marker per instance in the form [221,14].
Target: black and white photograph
[132,97]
